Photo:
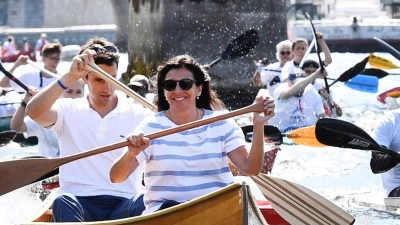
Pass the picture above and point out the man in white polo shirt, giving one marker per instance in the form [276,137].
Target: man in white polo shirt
[96,120]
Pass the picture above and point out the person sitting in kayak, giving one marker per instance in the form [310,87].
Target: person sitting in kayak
[270,75]
[386,133]
[299,48]
[185,165]
[309,67]
[98,119]
[297,102]
[47,139]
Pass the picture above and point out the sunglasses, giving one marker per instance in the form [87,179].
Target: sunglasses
[103,49]
[285,52]
[185,84]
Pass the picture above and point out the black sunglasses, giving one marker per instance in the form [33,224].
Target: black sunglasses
[285,52]
[103,49]
[185,84]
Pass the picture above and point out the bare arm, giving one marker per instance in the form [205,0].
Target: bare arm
[17,121]
[257,79]
[124,166]
[324,49]
[22,60]
[251,162]
[40,107]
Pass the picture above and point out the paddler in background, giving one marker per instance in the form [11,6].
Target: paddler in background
[309,67]
[387,133]
[269,76]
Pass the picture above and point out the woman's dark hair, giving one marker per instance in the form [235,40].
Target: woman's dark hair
[208,98]
[310,63]
[107,52]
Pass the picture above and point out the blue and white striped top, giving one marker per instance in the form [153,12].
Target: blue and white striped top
[188,164]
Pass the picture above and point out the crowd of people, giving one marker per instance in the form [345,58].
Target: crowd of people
[109,185]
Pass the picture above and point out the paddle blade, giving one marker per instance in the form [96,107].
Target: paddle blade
[271,134]
[7,136]
[298,204]
[18,173]
[381,62]
[241,45]
[305,136]
[352,72]
[394,93]
[375,72]
[343,134]
[363,83]
[388,48]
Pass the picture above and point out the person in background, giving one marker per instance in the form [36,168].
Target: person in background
[28,50]
[81,124]
[309,67]
[141,85]
[198,163]
[299,48]
[9,47]
[31,76]
[270,75]
[387,134]
[40,43]
[47,140]
[298,104]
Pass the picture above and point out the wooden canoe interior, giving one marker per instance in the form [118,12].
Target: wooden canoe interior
[232,205]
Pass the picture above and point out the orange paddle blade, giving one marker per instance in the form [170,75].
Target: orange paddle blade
[305,136]
[380,62]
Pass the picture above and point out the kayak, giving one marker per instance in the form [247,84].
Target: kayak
[233,204]
[394,93]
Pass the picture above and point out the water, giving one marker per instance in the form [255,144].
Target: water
[337,174]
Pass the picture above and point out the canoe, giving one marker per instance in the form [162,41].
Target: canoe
[231,205]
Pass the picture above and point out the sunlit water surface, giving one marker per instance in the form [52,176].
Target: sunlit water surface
[337,174]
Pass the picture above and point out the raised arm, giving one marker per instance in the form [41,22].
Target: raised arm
[324,49]
[22,60]
[40,107]
[17,121]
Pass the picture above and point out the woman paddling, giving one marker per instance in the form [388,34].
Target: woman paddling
[186,165]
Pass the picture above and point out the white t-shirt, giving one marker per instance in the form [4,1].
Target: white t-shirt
[268,73]
[79,128]
[387,133]
[9,103]
[188,164]
[287,69]
[296,112]
[47,139]
[30,76]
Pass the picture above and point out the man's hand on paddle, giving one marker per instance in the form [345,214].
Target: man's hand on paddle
[80,62]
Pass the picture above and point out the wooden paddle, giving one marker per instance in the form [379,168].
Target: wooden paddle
[29,170]
[302,136]
[32,63]
[343,134]
[381,62]
[298,204]
[116,83]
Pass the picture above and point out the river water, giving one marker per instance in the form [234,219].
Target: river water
[337,174]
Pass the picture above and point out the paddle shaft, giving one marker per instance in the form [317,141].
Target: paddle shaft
[9,75]
[101,73]
[309,49]
[388,48]
[32,63]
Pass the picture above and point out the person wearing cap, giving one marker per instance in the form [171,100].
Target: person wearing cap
[309,67]
[141,85]
[269,75]
[295,100]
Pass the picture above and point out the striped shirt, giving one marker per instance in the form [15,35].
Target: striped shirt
[188,164]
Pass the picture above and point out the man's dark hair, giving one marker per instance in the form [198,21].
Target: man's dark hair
[107,52]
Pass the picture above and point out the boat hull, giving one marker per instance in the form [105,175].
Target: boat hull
[20,139]
[232,205]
